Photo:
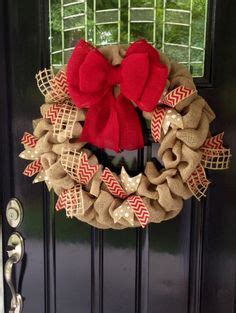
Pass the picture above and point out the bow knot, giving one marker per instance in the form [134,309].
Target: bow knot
[114,76]
[113,122]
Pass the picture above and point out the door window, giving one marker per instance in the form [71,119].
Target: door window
[177,27]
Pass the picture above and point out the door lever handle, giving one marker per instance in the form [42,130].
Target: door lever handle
[15,254]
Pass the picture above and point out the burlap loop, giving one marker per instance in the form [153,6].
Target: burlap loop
[194,138]
[146,189]
[58,177]
[58,148]
[190,160]
[167,200]
[178,187]
[193,113]
[172,157]
[168,142]
[162,192]
[154,176]
[157,213]
[48,159]
[42,127]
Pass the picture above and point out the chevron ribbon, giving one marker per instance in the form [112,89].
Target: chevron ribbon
[112,184]
[59,84]
[176,95]
[77,166]
[157,120]
[215,142]
[53,86]
[61,201]
[198,183]
[86,171]
[139,209]
[214,155]
[29,140]
[33,168]
[52,112]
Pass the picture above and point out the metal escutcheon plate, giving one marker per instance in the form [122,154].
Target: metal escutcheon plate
[14,213]
[17,243]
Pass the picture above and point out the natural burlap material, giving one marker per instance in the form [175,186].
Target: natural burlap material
[162,192]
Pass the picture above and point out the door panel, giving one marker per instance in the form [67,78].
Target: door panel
[182,265]
[72,265]
[169,264]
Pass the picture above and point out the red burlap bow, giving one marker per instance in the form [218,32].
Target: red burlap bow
[112,122]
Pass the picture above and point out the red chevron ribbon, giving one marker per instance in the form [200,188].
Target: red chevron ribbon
[139,209]
[214,155]
[215,142]
[29,140]
[112,184]
[52,112]
[59,84]
[61,201]
[176,95]
[198,182]
[157,120]
[33,168]
[86,171]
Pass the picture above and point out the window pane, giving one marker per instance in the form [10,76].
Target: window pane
[177,27]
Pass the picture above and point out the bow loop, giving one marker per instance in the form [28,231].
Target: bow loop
[93,72]
[135,69]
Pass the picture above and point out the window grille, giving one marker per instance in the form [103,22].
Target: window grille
[177,27]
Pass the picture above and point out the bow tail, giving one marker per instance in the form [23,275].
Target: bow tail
[101,127]
[130,132]
[113,124]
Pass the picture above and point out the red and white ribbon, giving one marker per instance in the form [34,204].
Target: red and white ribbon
[139,209]
[33,168]
[132,202]
[76,165]
[214,155]
[53,112]
[52,86]
[29,140]
[171,100]
[157,120]
[177,95]
[198,182]
[86,171]
[71,200]
[112,184]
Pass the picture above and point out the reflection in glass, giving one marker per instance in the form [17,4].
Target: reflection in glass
[177,27]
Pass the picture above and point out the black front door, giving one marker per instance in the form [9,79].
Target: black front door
[185,265]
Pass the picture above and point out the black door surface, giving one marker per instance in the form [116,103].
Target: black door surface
[186,265]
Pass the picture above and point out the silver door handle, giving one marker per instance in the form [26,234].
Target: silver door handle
[15,252]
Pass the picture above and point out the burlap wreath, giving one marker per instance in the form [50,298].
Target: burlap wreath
[180,123]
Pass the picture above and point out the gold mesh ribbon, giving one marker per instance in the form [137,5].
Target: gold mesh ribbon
[214,155]
[65,120]
[53,87]
[198,183]
[72,201]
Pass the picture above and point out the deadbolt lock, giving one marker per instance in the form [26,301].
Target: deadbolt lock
[14,213]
